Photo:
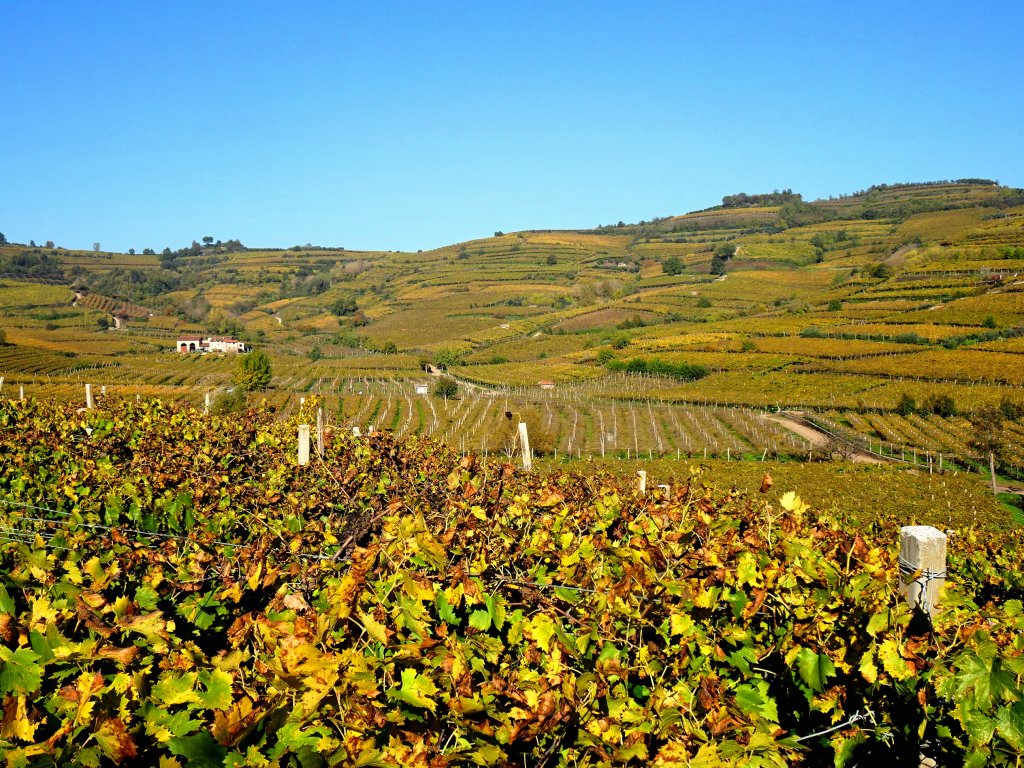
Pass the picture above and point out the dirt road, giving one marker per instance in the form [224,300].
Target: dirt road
[820,439]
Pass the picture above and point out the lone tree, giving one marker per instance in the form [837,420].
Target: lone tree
[344,306]
[673,265]
[446,357]
[252,371]
[446,388]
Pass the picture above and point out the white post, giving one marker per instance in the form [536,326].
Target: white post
[88,396]
[524,442]
[21,392]
[320,431]
[642,474]
[922,556]
[1,383]
[206,403]
[992,470]
[356,432]
[666,489]
[103,390]
[303,444]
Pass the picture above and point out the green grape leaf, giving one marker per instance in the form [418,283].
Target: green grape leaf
[415,690]
[815,669]
[199,750]
[20,672]
[847,748]
[878,622]
[481,620]
[755,701]
[444,609]
[6,602]
[1010,725]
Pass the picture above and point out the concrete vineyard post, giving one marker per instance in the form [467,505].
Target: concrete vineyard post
[524,440]
[642,482]
[88,396]
[21,392]
[922,566]
[206,404]
[1,383]
[320,432]
[303,444]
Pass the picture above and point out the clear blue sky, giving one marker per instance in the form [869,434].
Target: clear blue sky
[412,125]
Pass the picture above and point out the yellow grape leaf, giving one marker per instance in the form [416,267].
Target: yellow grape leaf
[254,578]
[373,627]
[867,667]
[233,593]
[15,723]
[171,690]
[705,599]
[892,662]
[542,629]
[73,572]
[792,503]
[83,690]
[680,624]
[747,571]
[42,611]
[218,689]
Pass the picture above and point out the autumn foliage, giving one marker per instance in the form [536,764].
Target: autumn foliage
[176,590]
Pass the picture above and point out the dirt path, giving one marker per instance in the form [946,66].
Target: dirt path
[820,439]
[900,255]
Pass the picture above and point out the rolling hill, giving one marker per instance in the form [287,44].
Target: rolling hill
[841,306]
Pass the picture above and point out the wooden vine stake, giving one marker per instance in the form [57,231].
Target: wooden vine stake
[922,566]
[320,432]
[303,444]
[524,442]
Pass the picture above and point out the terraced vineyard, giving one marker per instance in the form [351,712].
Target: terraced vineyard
[838,306]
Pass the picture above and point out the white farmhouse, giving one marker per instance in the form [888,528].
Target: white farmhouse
[187,344]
